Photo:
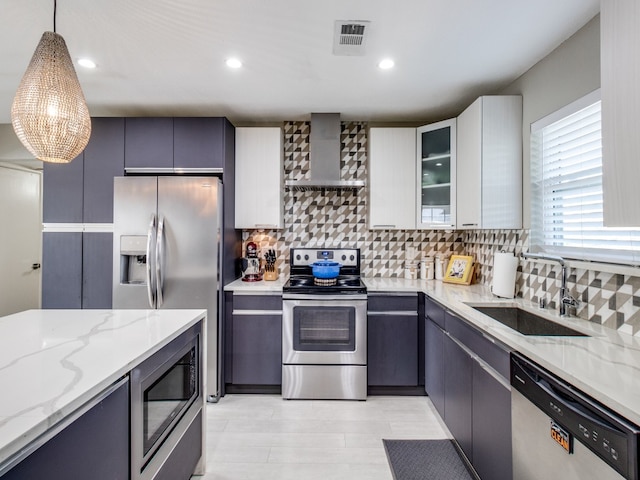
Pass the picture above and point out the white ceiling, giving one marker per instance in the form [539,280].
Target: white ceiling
[166,57]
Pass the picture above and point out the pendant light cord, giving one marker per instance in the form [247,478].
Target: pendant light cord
[55,7]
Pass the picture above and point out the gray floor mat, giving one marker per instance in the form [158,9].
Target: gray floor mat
[425,460]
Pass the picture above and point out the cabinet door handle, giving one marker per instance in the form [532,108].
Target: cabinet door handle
[35,266]
[384,226]
[469,224]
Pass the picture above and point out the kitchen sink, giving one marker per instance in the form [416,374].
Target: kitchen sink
[525,322]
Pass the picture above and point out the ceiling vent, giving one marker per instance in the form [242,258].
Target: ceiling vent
[350,37]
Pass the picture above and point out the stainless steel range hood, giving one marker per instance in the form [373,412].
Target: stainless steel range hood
[324,156]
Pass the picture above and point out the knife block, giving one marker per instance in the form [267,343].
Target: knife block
[270,274]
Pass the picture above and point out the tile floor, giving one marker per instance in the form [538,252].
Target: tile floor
[265,437]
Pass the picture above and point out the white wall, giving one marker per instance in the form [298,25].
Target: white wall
[569,72]
[12,150]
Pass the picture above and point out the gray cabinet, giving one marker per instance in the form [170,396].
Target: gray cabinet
[393,340]
[458,394]
[255,341]
[491,426]
[62,270]
[82,191]
[478,398]
[149,143]
[466,377]
[62,191]
[76,264]
[167,144]
[95,445]
[199,142]
[96,269]
[434,364]
[433,353]
[103,160]
[76,269]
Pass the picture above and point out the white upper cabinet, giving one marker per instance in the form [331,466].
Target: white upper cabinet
[392,178]
[259,178]
[620,90]
[489,164]
[436,175]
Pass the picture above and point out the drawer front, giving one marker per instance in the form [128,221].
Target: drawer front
[392,303]
[434,311]
[257,302]
[482,346]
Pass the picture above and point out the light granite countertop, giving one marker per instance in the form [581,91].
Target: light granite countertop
[54,361]
[263,286]
[605,365]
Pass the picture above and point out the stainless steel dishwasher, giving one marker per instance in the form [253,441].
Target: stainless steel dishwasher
[559,432]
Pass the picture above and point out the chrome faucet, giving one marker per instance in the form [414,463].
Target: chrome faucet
[565,298]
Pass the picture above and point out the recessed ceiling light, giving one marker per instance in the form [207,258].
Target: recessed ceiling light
[86,63]
[386,64]
[233,63]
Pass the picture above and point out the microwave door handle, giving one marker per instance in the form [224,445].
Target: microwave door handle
[151,233]
[160,263]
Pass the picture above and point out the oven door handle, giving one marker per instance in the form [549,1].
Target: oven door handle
[325,298]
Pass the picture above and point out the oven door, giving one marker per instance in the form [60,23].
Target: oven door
[324,330]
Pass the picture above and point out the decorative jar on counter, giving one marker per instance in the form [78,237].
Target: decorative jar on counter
[439,267]
[410,271]
[426,268]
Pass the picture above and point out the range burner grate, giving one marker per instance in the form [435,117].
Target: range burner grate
[325,282]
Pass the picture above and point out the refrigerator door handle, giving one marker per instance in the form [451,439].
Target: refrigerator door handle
[159,262]
[150,283]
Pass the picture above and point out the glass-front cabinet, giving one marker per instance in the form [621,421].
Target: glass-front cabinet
[436,148]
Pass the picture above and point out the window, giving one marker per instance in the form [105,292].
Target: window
[566,174]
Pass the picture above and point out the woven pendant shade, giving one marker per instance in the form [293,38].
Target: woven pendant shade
[49,112]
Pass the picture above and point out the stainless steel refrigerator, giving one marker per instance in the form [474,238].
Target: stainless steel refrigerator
[166,250]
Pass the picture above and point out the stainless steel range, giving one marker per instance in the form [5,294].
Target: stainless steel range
[324,328]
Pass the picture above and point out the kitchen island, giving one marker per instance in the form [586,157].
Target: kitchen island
[55,362]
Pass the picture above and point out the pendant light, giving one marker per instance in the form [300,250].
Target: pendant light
[49,113]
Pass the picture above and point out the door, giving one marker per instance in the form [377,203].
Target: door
[62,270]
[392,349]
[96,269]
[434,364]
[188,229]
[491,424]
[327,331]
[537,456]
[436,146]
[148,144]
[20,237]
[134,207]
[189,221]
[458,376]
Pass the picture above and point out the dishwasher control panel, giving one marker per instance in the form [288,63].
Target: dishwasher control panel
[576,417]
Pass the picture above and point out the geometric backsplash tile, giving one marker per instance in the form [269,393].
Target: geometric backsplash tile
[339,218]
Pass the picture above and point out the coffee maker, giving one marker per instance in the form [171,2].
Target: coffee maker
[251,271]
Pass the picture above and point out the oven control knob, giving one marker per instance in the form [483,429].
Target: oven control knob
[352,258]
[306,257]
[344,257]
[298,257]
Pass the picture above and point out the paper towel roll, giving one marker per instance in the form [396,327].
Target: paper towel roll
[504,275]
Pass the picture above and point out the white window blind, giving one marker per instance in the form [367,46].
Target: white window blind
[566,160]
